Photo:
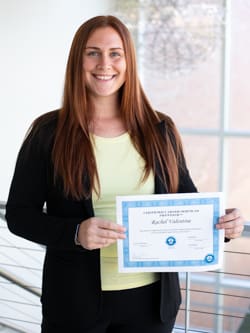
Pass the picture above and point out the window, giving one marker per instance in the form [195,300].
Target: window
[194,65]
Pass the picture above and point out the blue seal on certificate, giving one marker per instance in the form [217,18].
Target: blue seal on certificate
[209,258]
[171,241]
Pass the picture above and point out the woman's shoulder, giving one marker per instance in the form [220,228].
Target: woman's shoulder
[45,123]
[164,118]
[42,130]
[166,123]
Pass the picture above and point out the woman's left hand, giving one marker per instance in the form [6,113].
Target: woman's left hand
[232,222]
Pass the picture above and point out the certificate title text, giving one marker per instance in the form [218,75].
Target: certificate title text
[170,216]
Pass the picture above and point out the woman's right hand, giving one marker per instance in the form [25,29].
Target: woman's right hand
[96,233]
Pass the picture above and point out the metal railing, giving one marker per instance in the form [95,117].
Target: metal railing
[215,301]
[219,301]
[20,281]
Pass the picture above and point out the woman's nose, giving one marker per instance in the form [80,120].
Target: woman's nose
[104,63]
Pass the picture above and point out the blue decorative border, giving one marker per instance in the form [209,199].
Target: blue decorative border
[211,258]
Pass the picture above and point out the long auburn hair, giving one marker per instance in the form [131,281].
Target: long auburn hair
[73,155]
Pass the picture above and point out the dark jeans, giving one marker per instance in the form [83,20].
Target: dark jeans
[126,311]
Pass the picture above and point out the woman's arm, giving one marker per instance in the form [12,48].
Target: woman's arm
[28,193]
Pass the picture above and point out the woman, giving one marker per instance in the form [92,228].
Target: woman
[106,140]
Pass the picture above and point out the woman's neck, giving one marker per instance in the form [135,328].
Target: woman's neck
[105,106]
[106,119]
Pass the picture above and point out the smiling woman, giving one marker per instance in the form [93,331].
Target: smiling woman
[104,63]
[105,140]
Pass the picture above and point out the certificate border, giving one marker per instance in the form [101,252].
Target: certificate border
[127,204]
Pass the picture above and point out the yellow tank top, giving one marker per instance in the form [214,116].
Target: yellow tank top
[120,169]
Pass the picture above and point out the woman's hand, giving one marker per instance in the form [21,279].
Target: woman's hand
[96,233]
[232,222]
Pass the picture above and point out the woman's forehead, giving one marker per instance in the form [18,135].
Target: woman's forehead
[105,36]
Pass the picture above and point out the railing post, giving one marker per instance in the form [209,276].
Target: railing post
[187,303]
[224,123]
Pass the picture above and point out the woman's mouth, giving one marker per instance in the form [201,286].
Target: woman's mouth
[104,77]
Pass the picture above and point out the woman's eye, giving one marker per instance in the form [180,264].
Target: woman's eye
[115,54]
[93,54]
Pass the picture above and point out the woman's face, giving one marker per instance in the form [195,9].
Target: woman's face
[104,63]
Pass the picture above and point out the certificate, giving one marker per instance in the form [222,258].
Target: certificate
[170,232]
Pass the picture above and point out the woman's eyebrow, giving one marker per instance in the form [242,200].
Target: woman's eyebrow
[98,48]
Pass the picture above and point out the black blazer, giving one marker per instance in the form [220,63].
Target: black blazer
[71,288]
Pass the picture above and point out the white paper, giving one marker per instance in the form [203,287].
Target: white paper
[170,232]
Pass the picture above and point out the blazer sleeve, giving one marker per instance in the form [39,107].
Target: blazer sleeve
[186,184]
[28,192]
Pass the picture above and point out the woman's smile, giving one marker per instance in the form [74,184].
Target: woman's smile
[104,77]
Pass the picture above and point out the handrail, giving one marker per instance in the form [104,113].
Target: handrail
[19,283]
[2,206]
[22,299]
[12,278]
